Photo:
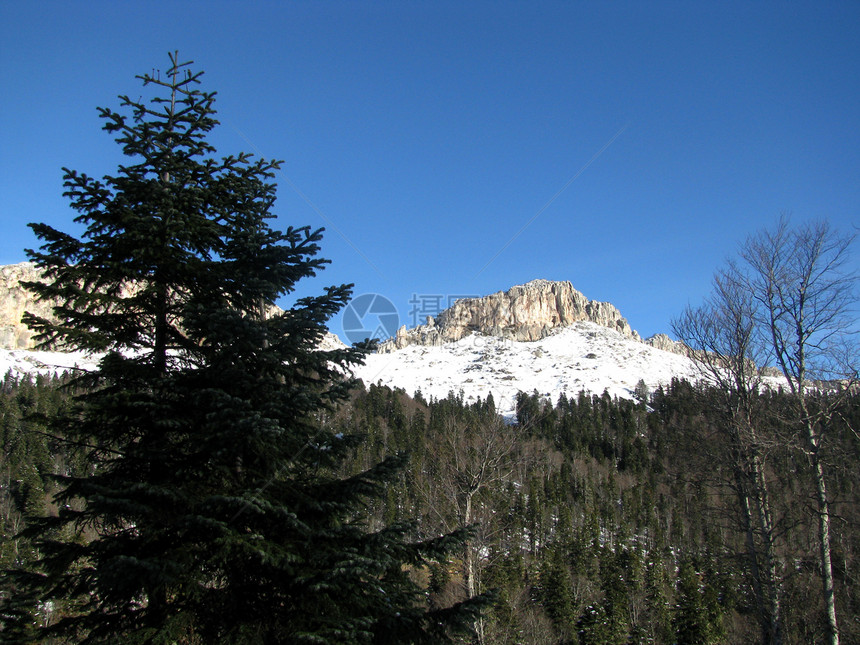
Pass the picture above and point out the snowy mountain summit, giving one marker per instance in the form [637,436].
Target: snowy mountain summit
[543,337]
[525,312]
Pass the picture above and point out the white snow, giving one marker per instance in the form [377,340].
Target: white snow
[582,356]
[26,361]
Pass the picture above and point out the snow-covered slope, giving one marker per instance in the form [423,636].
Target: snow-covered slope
[26,361]
[583,345]
[581,356]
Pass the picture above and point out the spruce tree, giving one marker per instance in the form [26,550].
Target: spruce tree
[698,615]
[210,510]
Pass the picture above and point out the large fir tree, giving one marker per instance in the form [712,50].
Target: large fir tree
[211,511]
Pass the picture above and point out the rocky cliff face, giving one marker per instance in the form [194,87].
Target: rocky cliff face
[525,313]
[662,341]
[14,301]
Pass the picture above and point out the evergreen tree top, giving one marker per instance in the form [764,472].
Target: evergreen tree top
[174,226]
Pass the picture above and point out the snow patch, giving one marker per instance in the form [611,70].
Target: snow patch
[582,356]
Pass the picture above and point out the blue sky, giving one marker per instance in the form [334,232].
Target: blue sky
[461,148]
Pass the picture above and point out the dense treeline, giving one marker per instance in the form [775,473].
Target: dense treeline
[611,521]
[30,454]
[597,520]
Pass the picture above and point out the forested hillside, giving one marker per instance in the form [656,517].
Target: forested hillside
[608,521]
[596,520]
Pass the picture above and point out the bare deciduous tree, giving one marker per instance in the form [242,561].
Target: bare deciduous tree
[806,294]
[723,341]
[788,301]
[472,456]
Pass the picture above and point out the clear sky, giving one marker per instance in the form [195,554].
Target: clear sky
[455,148]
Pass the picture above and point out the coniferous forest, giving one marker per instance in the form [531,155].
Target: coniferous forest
[596,520]
[219,478]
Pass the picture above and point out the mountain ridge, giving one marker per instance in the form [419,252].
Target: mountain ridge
[543,336]
[15,300]
[526,312]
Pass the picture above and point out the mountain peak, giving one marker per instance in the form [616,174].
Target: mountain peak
[526,312]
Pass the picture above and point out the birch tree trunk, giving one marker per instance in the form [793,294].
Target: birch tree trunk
[807,300]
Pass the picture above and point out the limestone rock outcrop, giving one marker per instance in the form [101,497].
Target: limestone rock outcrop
[14,301]
[526,312]
[662,341]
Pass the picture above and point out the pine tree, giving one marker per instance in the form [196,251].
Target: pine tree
[211,510]
[556,591]
[698,615]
